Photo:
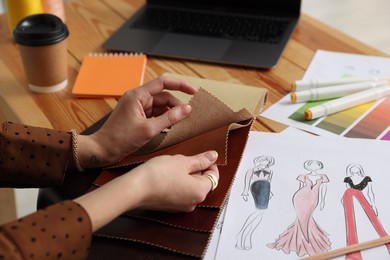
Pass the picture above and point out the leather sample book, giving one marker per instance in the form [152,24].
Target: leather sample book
[220,120]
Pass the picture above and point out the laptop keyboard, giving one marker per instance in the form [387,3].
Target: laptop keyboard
[212,25]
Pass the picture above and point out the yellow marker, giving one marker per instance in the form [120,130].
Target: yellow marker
[308,114]
[293,97]
[18,9]
[293,86]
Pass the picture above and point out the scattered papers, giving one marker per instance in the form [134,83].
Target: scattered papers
[370,120]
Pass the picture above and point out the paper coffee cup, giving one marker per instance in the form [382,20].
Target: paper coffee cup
[42,40]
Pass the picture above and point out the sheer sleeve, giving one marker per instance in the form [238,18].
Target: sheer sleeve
[61,231]
[33,156]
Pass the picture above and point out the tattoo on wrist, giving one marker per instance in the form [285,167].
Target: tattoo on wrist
[94,160]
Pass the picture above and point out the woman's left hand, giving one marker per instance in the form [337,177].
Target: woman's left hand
[140,115]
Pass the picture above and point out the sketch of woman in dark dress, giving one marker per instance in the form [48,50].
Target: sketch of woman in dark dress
[258,180]
[304,236]
[364,195]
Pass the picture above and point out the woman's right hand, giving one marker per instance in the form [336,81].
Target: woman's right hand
[175,183]
[169,183]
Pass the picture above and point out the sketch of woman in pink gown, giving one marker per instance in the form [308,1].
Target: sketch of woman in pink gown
[258,180]
[304,236]
[364,195]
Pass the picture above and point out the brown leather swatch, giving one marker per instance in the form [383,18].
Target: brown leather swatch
[222,130]
[175,239]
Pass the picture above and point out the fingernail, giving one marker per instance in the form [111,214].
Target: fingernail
[185,110]
[212,156]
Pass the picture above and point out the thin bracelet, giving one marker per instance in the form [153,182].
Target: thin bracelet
[74,149]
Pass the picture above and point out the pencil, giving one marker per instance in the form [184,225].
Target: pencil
[334,91]
[350,249]
[300,85]
[346,102]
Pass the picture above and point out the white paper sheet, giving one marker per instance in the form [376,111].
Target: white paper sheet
[290,152]
[212,247]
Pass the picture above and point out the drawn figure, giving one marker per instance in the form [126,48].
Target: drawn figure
[364,195]
[258,180]
[304,236]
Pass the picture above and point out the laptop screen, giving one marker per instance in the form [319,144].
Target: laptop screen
[271,7]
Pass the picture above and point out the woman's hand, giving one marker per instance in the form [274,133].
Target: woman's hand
[169,183]
[175,183]
[140,115]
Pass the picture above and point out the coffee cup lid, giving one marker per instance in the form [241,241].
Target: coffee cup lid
[40,30]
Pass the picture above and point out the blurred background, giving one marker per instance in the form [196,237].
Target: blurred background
[364,20]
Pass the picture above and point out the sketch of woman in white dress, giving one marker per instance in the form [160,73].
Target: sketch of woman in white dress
[258,180]
[363,194]
[304,236]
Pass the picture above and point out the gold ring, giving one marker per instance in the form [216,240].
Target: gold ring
[213,179]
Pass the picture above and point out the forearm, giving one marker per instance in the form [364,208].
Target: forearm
[247,182]
[323,192]
[62,230]
[111,200]
[371,199]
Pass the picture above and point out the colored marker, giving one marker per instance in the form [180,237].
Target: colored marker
[300,85]
[346,102]
[334,91]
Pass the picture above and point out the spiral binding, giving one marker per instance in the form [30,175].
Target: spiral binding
[116,54]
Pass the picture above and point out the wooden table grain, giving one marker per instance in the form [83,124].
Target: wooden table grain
[91,22]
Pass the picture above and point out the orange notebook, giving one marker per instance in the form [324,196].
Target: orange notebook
[109,75]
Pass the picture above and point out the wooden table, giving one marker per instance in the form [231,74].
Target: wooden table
[92,22]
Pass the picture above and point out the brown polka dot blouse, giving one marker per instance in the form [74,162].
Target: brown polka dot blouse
[38,157]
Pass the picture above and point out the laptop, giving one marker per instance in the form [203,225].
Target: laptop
[250,33]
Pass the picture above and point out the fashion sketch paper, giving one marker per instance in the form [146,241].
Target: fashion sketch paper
[299,195]
[215,236]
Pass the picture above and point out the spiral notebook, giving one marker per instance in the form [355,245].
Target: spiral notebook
[109,75]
